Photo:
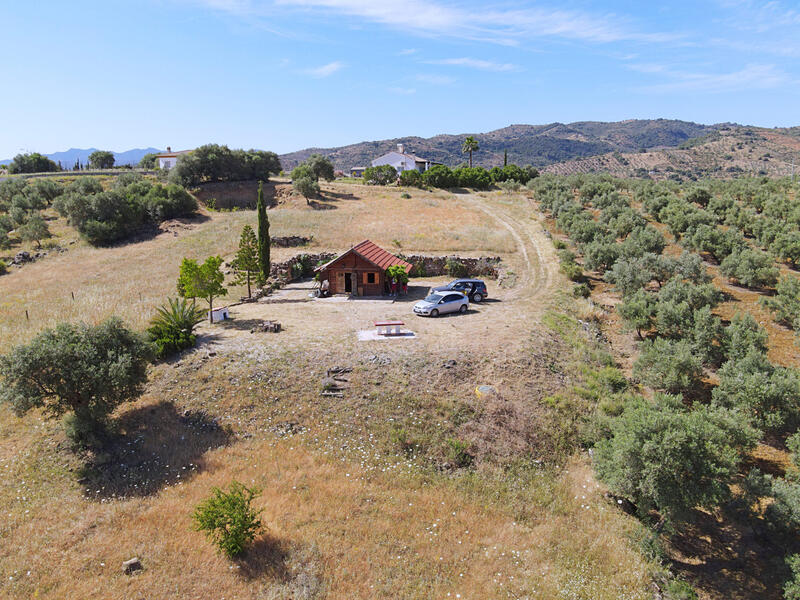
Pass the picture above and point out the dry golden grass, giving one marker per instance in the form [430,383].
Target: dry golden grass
[131,279]
[331,527]
[347,515]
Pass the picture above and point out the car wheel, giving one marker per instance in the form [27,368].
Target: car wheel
[477,298]
[463,309]
[434,313]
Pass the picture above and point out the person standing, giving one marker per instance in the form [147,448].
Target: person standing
[394,286]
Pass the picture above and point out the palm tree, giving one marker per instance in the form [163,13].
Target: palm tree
[470,145]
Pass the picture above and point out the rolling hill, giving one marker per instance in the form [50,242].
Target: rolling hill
[538,145]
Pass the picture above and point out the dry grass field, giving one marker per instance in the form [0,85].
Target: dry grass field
[361,496]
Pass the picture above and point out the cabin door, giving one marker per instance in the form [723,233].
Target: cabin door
[348,283]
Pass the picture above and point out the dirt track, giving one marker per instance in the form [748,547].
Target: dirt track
[494,326]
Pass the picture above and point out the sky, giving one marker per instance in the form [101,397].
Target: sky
[284,75]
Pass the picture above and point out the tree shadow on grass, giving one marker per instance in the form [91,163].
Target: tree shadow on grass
[267,557]
[155,446]
[317,205]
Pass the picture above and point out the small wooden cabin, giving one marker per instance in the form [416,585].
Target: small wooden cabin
[361,271]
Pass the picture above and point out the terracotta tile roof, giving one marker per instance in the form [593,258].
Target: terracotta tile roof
[379,256]
[374,254]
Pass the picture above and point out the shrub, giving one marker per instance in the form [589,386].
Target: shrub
[171,330]
[3,267]
[661,456]
[228,518]
[411,178]
[751,268]
[572,270]
[79,369]
[397,272]
[668,365]
[440,176]
[455,268]
[381,175]
[581,290]
[509,186]
[458,452]
[473,177]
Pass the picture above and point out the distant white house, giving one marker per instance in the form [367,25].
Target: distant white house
[167,160]
[402,161]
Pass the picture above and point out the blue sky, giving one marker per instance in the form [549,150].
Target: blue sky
[288,74]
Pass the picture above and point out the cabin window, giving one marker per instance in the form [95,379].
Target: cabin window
[370,277]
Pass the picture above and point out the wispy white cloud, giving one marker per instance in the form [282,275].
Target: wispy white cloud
[407,52]
[325,70]
[436,79]
[403,91]
[751,77]
[474,63]
[487,22]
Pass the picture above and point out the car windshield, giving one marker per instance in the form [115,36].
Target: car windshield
[433,298]
[453,284]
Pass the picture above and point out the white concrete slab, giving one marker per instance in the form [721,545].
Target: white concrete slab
[368,335]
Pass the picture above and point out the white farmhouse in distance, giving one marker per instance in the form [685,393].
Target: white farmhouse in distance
[167,160]
[403,162]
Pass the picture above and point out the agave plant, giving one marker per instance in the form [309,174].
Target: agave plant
[171,329]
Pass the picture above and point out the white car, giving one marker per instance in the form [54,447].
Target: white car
[440,303]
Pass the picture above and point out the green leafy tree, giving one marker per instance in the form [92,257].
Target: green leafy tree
[204,281]
[786,302]
[629,276]
[743,335]
[661,456]
[708,336]
[213,162]
[638,311]
[47,190]
[473,177]
[469,146]
[172,328]
[767,395]
[380,175]
[751,268]
[31,163]
[600,255]
[101,159]
[264,241]
[668,365]
[397,272]
[149,161]
[229,519]
[246,262]
[35,229]
[77,369]
[321,166]
[787,247]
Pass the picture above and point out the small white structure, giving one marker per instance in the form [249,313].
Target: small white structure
[402,161]
[167,160]
[220,314]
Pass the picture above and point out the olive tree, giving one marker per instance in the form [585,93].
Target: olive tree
[661,456]
[81,370]
[668,365]
[101,159]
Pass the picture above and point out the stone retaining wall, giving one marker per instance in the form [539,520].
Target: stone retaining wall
[434,266]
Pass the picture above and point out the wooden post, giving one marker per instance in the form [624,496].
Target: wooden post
[73,296]
[27,318]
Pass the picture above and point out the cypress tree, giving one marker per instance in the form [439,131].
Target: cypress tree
[263,237]
[505,158]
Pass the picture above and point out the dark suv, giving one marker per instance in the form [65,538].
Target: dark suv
[474,289]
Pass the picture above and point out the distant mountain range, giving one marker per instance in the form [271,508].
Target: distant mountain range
[538,145]
[68,158]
